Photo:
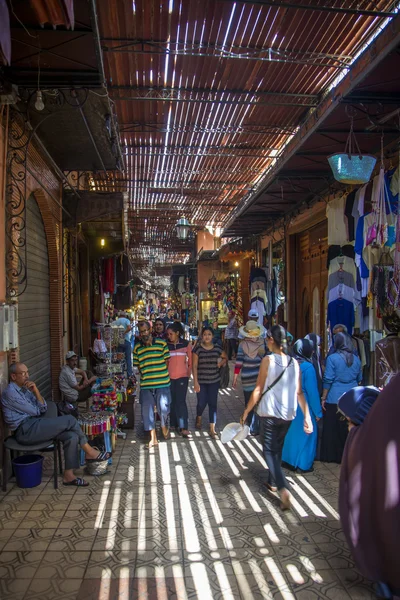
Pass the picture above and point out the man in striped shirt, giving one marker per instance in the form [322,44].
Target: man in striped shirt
[151,356]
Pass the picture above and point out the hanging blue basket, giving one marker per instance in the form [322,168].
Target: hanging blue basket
[352,169]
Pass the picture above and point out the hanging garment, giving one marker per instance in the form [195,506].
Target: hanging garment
[341,311]
[345,263]
[348,211]
[360,196]
[335,251]
[260,308]
[337,227]
[340,277]
[345,292]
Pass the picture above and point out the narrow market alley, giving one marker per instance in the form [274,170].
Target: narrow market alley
[190,519]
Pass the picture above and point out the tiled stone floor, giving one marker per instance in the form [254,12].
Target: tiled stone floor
[187,520]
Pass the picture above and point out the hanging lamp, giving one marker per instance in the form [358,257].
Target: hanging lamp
[350,168]
[182,228]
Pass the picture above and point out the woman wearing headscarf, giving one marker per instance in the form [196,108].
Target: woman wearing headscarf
[316,359]
[299,448]
[343,372]
[369,497]
[252,350]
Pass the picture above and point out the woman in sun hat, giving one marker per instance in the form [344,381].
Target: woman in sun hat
[252,350]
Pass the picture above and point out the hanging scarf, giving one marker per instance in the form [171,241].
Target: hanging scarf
[303,350]
[253,347]
[344,346]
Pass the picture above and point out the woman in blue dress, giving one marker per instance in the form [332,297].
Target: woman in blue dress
[299,448]
[342,373]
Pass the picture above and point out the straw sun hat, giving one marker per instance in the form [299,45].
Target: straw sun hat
[252,330]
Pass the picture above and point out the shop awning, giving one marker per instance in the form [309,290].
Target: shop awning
[302,174]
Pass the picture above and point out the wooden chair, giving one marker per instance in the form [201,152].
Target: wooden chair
[15,448]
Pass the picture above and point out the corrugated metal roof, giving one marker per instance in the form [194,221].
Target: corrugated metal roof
[207,93]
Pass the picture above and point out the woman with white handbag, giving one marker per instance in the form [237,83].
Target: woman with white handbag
[275,399]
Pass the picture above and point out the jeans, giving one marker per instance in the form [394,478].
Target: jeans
[161,397]
[253,420]
[127,349]
[232,345]
[272,437]
[66,429]
[179,412]
[208,394]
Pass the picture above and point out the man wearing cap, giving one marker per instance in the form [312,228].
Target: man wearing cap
[74,392]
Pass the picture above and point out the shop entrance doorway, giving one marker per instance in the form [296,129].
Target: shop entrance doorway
[34,303]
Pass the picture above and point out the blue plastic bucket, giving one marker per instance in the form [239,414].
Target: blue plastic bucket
[28,470]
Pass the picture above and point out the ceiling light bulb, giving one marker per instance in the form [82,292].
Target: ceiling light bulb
[236,264]
[102,242]
[39,104]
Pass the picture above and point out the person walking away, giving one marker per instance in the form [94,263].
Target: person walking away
[319,371]
[252,350]
[231,335]
[252,316]
[151,356]
[24,413]
[343,371]
[217,337]
[316,359]
[300,448]
[159,328]
[369,504]
[208,358]
[277,393]
[180,370]
[126,348]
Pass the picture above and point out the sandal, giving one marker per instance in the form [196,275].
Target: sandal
[100,457]
[271,488]
[77,482]
[152,445]
[285,499]
[167,435]
[186,434]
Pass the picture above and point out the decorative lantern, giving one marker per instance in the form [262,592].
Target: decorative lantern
[182,228]
[352,169]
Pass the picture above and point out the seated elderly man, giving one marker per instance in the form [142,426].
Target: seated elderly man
[23,410]
[68,384]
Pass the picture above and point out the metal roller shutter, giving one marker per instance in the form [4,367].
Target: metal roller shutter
[34,303]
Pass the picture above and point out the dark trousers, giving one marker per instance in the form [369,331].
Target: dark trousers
[208,394]
[334,435]
[232,345]
[85,394]
[66,429]
[178,416]
[272,437]
[253,420]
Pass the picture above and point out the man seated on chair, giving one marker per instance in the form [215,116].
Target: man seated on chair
[73,391]
[24,413]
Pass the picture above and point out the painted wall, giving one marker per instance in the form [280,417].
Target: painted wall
[204,240]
